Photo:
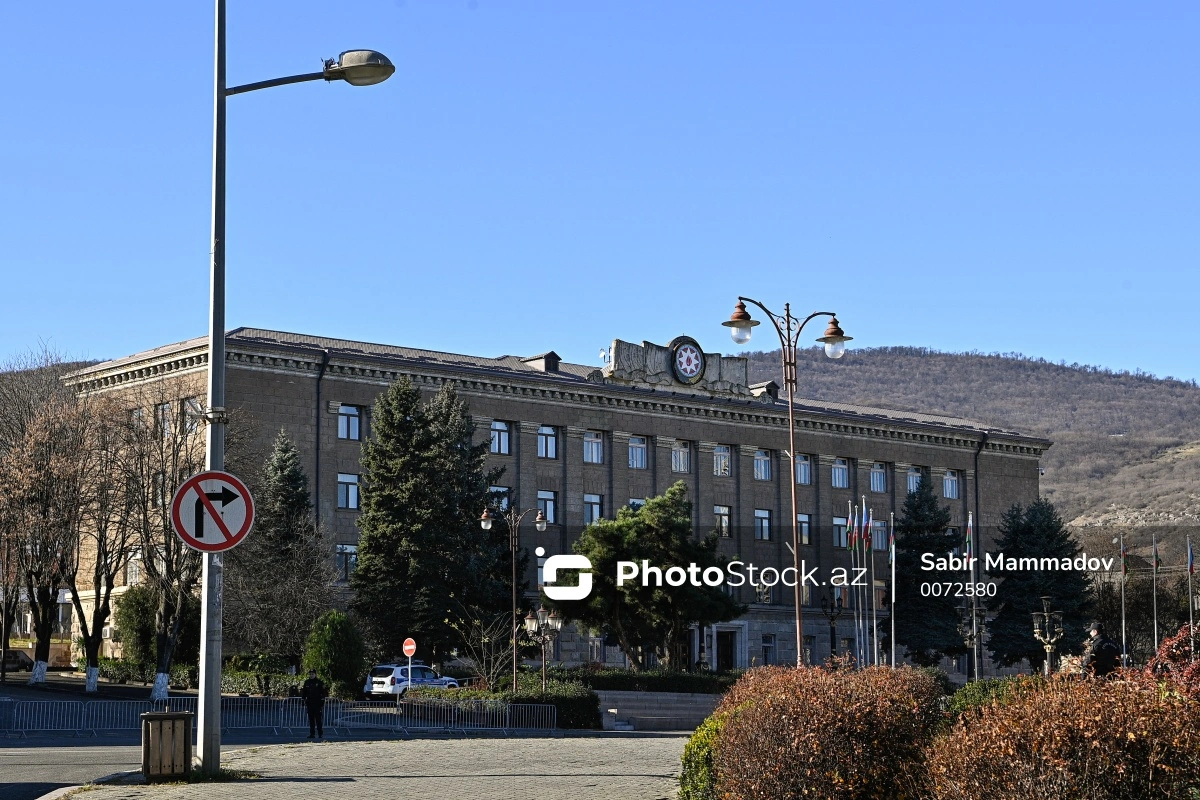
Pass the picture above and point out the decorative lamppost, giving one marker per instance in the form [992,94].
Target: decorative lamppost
[1047,629]
[357,68]
[970,628]
[741,326]
[832,614]
[513,518]
[543,628]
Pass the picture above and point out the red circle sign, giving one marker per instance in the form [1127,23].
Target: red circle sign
[212,511]
[410,647]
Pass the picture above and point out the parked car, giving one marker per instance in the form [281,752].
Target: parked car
[392,680]
[15,660]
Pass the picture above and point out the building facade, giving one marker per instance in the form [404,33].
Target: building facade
[581,441]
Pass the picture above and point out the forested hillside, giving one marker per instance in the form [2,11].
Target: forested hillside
[1126,446]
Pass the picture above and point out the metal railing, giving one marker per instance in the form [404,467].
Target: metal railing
[281,714]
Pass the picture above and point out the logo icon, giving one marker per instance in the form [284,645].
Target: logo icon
[550,572]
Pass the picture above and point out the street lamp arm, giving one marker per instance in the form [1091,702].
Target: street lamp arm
[787,326]
[250,87]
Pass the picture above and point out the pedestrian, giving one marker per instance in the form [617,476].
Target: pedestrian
[1100,653]
[314,694]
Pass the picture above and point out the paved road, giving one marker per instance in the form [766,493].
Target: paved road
[29,771]
[610,766]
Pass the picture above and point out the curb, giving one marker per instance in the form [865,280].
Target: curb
[116,777]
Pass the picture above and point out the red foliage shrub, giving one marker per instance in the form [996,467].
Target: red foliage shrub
[1072,738]
[826,733]
[1173,663]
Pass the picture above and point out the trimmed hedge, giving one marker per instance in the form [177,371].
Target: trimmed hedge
[698,778]
[270,684]
[978,693]
[623,680]
[577,706]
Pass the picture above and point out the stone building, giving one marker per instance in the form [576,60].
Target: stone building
[580,441]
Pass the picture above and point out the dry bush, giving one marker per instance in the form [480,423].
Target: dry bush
[1174,665]
[1084,739]
[826,733]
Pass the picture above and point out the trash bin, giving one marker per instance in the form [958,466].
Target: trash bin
[166,745]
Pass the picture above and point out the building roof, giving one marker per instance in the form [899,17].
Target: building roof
[520,366]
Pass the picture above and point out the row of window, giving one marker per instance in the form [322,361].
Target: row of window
[681,459]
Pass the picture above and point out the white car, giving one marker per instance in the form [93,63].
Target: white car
[392,680]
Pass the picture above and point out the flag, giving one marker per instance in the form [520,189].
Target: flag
[1124,560]
[1157,560]
[1191,559]
[970,547]
[851,529]
[867,537]
[892,542]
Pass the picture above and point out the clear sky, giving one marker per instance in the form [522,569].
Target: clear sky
[553,175]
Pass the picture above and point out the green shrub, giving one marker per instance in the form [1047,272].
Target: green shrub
[185,676]
[134,617]
[263,683]
[947,686]
[977,693]
[577,706]
[624,680]
[336,651]
[698,778]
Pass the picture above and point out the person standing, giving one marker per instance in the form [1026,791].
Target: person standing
[314,693]
[1100,653]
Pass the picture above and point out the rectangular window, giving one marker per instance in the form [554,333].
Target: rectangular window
[133,568]
[840,477]
[547,442]
[350,422]
[158,490]
[546,503]
[500,496]
[193,412]
[762,465]
[722,460]
[959,542]
[914,479]
[346,560]
[881,594]
[593,508]
[500,434]
[878,477]
[839,532]
[162,419]
[950,485]
[879,536]
[347,491]
[637,452]
[762,594]
[721,519]
[681,457]
[593,447]
[804,524]
[803,470]
[762,524]
[768,649]
[637,502]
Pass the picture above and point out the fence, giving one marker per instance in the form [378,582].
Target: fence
[280,714]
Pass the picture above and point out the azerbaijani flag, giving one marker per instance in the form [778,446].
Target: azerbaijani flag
[892,542]
[1124,560]
[852,529]
[1191,559]
[1157,560]
[970,548]
[867,536]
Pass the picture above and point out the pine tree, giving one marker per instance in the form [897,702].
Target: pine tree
[423,559]
[926,626]
[1036,532]
[279,580]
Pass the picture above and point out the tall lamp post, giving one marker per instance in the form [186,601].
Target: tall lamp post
[970,626]
[831,614]
[1047,629]
[741,325]
[513,518]
[358,68]
[543,628]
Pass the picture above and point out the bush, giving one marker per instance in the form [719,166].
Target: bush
[1072,737]
[830,734]
[577,706]
[947,686]
[1173,663]
[698,778]
[134,619]
[977,693]
[624,680]
[336,651]
[185,676]
[264,683]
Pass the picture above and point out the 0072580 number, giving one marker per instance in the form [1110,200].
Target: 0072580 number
[951,589]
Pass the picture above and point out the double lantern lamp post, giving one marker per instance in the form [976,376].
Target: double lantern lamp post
[741,327]
[1048,629]
[513,518]
[543,628]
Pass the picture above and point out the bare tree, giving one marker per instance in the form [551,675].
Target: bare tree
[487,645]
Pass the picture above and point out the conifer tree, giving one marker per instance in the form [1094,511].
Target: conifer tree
[279,580]
[926,626]
[1036,532]
[423,559]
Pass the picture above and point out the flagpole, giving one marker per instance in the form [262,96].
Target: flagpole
[874,609]
[974,598]
[892,556]
[851,592]
[1124,571]
[1154,586]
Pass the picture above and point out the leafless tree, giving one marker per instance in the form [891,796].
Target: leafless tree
[487,645]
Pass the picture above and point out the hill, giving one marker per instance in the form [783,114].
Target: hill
[1126,445]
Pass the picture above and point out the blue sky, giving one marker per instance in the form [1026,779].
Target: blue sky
[539,175]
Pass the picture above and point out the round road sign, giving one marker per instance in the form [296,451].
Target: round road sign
[410,647]
[212,511]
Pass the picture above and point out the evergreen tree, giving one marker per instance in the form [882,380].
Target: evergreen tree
[279,580]
[1036,532]
[335,650]
[926,626]
[423,559]
[650,618]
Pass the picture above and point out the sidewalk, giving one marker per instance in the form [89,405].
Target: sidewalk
[618,766]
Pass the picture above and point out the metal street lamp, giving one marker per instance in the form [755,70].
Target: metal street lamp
[832,615]
[543,628]
[741,326]
[513,518]
[358,68]
[1047,629]
[970,628]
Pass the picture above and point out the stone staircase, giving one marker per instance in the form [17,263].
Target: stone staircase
[655,711]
